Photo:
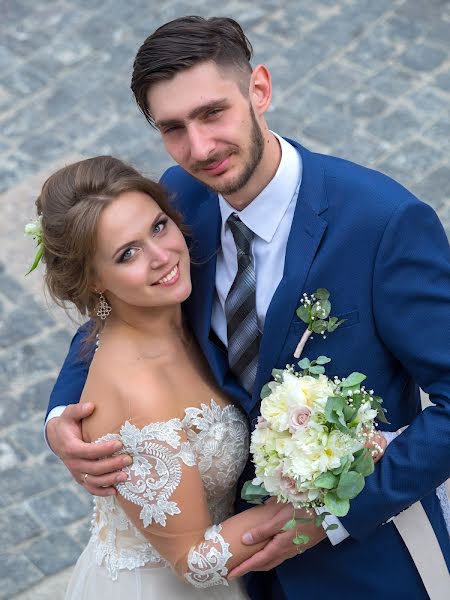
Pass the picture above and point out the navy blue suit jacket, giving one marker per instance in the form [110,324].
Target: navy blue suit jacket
[385,258]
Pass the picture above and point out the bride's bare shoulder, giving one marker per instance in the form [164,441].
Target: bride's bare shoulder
[124,387]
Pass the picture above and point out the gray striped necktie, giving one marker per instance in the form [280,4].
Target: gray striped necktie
[240,309]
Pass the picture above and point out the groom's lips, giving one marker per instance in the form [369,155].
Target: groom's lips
[218,167]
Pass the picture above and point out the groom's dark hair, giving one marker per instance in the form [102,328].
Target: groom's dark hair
[185,42]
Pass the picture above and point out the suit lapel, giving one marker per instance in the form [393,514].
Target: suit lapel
[307,230]
[204,244]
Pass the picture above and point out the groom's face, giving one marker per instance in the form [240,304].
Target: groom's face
[208,125]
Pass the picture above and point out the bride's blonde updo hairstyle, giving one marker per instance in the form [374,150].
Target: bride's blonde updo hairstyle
[70,203]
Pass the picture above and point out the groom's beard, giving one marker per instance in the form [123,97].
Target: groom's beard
[256,151]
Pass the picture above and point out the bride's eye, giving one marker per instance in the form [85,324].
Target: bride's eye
[160,225]
[127,255]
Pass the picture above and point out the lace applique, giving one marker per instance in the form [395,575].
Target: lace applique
[111,532]
[207,562]
[156,470]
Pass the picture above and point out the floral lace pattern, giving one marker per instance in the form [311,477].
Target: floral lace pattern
[207,562]
[218,442]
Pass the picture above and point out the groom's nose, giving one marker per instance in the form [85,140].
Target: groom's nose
[201,144]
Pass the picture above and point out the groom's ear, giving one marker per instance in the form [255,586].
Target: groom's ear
[260,89]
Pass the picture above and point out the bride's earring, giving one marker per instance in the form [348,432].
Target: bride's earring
[104,308]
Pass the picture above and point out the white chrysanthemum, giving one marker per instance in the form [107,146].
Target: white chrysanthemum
[34,228]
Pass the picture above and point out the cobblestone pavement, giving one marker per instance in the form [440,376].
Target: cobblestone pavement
[366,80]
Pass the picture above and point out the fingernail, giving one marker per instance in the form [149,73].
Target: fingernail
[247,538]
[121,477]
[117,446]
[111,493]
[127,461]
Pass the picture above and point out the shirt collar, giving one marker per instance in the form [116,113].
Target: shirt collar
[264,214]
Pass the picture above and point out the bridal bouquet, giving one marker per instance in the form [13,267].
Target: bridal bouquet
[308,446]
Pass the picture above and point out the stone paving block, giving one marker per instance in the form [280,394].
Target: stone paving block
[10,456]
[363,103]
[17,573]
[9,408]
[29,436]
[435,187]
[23,81]
[398,29]
[442,80]
[439,133]
[18,525]
[45,148]
[309,53]
[9,286]
[392,81]
[51,588]
[25,321]
[27,362]
[58,508]
[360,148]
[30,479]
[330,126]
[372,52]
[34,399]
[395,126]
[14,167]
[429,103]
[411,161]
[338,78]
[422,57]
[80,531]
[53,553]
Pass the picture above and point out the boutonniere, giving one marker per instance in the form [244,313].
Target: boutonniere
[315,312]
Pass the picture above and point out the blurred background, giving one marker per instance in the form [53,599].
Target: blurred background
[362,79]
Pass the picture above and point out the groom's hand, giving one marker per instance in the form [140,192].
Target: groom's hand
[91,465]
[280,546]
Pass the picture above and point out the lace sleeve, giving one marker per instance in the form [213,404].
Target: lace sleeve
[164,498]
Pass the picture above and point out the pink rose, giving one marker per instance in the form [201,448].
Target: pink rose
[299,418]
[261,423]
[288,486]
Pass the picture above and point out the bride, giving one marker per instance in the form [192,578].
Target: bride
[113,247]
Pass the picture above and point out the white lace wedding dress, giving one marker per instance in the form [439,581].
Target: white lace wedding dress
[119,562]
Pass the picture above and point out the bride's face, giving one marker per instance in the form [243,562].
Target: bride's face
[141,257]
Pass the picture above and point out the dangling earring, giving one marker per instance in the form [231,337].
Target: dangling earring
[104,308]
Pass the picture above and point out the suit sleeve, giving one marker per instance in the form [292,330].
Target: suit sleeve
[72,377]
[411,303]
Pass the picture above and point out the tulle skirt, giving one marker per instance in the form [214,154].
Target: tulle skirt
[92,582]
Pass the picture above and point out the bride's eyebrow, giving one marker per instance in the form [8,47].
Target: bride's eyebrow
[127,244]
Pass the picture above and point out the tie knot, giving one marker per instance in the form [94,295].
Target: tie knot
[241,233]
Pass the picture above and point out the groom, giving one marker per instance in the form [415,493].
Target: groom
[268,221]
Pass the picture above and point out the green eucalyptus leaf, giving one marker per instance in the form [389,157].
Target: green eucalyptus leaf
[321,518]
[322,360]
[334,408]
[321,309]
[364,464]
[303,313]
[322,294]
[304,520]
[266,391]
[333,323]
[277,373]
[289,525]
[336,505]
[352,380]
[301,540]
[326,480]
[253,494]
[332,527]
[350,485]
[317,370]
[305,363]
[319,326]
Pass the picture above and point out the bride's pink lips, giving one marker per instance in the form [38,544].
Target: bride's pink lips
[218,167]
[172,281]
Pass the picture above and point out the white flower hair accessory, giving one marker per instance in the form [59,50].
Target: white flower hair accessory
[34,229]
